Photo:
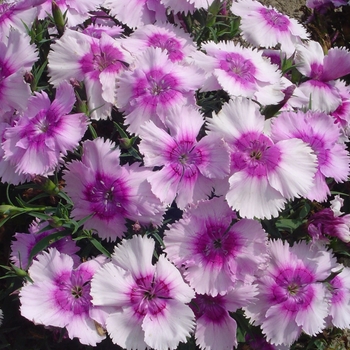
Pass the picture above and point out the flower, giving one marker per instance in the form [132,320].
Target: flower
[216,250]
[44,132]
[291,296]
[216,329]
[7,169]
[100,187]
[239,71]
[150,299]
[95,61]
[320,132]
[322,70]
[188,164]
[75,11]
[330,221]
[136,13]
[264,174]
[186,5]
[17,15]
[17,56]
[173,40]
[60,295]
[25,242]
[153,86]
[340,299]
[274,27]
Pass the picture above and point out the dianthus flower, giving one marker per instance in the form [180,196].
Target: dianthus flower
[25,242]
[330,222]
[99,186]
[60,295]
[186,5]
[136,13]
[96,62]
[188,164]
[17,15]
[274,27]
[75,11]
[216,250]
[342,114]
[264,174]
[320,132]
[7,169]
[216,329]
[339,287]
[322,5]
[239,71]
[322,70]
[291,296]
[150,300]
[17,56]
[153,86]
[173,40]
[44,132]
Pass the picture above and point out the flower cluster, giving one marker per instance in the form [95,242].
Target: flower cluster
[179,177]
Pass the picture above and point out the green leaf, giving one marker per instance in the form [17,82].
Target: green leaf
[288,224]
[100,247]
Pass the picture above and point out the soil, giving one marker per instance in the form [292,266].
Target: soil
[291,8]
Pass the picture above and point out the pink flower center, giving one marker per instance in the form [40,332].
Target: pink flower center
[185,154]
[156,88]
[165,42]
[275,19]
[149,295]
[209,307]
[217,244]
[255,153]
[107,196]
[73,293]
[238,67]
[104,58]
[293,288]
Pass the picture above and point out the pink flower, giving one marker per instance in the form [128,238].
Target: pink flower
[151,299]
[186,5]
[320,132]
[216,329]
[215,250]
[7,169]
[76,11]
[60,295]
[264,174]
[136,13]
[17,14]
[274,27]
[339,314]
[25,242]
[99,186]
[330,222]
[17,56]
[322,70]
[44,132]
[188,164]
[240,72]
[153,87]
[319,5]
[173,40]
[292,298]
[342,114]
[96,62]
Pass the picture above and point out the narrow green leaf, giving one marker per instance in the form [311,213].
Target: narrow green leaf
[100,247]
